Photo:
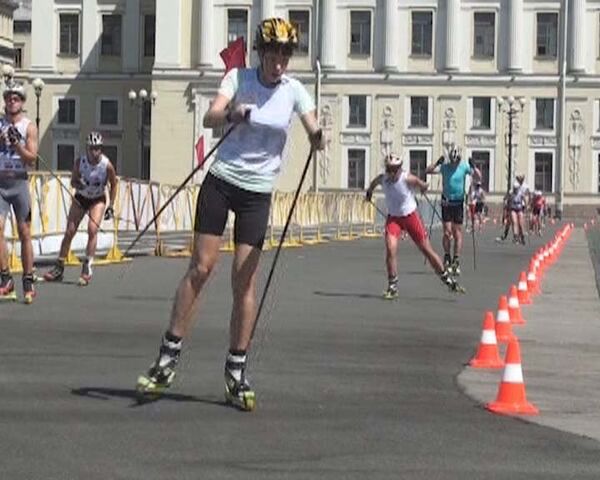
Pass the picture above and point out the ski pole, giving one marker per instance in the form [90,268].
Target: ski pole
[435,212]
[179,189]
[381,212]
[281,240]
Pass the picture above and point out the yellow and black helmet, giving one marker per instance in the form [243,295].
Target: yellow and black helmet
[276,32]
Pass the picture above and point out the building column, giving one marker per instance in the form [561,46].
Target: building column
[392,29]
[168,34]
[268,9]
[206,33]
[133,22]
[90,36]
[42,36]
[453,35]
[577,48]
[515,26]
[328,34]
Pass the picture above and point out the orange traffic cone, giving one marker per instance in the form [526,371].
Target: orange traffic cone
[523,293]
[514,308]
[533,285]
[487,354]
[511,396]
[504,331]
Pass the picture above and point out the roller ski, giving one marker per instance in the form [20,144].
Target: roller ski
[161,374]
[454,267]
[238,391]
[447,262]
[28,290]
[7,288]
[86,274]
[451,283]
[56,274]
[391,292]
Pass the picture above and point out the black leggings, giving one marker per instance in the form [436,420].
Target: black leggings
[251,211]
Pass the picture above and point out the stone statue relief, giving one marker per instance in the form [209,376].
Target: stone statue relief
[575,142]
[448,128]
[326,123]
[386,135]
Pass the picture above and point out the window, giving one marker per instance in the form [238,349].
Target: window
[111,35]
[599,173]
[149,35]
[301,20]
[482,113]
[422,32]
[547,34]
[66,111]
[543,171]
[22,26]
[544,114]
[360,33]
[109,112]
[112,152]
[356,168]
[419,112]
[484,34]
[481,159]
[18,57]
[69,34]
[418,163]
[237,25]
[65,156]
[357,111]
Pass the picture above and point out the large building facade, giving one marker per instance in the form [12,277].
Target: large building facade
[516,79]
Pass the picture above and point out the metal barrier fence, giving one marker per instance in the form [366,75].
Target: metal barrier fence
[318,217]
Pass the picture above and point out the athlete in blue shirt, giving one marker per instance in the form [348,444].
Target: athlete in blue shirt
[454,173]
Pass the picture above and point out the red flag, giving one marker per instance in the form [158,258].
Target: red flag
[234,56]
[200,151]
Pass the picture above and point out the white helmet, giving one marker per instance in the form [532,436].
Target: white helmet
[15,88]
[393,160]
[95,139]
[516,184]
[454,152]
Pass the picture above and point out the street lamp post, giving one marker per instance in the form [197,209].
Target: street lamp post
[8,73]
[38,86]
[511,107]
[141,99]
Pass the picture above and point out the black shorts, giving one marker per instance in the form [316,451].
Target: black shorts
[453,212]
[479,207]
[251,211]
[87,203]
[536,210]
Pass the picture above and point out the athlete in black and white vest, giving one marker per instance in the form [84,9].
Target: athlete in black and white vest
[91,173]
[18,152]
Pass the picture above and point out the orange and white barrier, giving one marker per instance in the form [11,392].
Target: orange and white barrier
[511,398]
[487,355]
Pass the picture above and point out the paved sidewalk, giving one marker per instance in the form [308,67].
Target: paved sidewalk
[560,347]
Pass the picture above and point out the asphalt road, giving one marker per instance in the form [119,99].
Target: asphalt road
[349,386]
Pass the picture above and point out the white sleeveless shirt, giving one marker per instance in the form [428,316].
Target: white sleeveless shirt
[10,161]
[95,177]
[399,197]
[477,195]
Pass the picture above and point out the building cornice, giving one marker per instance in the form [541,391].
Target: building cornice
[333,78]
